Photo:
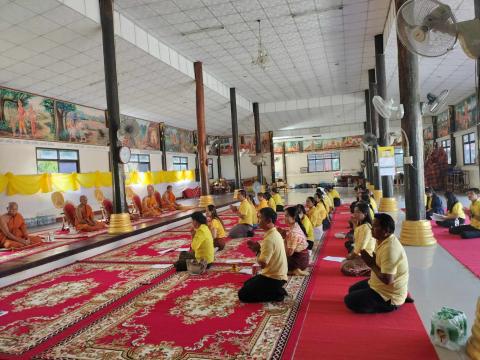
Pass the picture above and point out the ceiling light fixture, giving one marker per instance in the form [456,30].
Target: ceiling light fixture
[202,30]
[262,56]
[316,11]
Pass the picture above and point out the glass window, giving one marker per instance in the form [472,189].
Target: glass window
[469,152]
[138,162]
[447,146]
[57,161]
[180,163]
[323,162]
[398,160]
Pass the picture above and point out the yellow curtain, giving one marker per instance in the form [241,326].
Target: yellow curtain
[45,183]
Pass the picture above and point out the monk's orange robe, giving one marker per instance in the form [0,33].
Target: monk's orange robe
[150,206]
[169,200]
[16,225]
[85,213]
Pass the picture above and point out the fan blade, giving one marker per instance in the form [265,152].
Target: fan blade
[382,107]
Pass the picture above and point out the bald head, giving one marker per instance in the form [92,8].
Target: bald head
[83,200]
[150,190]
[12,208]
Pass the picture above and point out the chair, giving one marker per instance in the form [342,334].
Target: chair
[69,213]
[107,209]
[137,203]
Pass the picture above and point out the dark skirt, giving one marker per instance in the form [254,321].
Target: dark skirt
[298,260]
[337,202]
[219,243]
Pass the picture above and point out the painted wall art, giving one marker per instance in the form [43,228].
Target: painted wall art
[179,140]
[140,134]
[443,124]
[466,113]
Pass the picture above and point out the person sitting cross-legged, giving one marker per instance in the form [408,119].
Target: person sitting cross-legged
[271,256]
[150,206]
[387,288]
[169,200]
[216,227]
[455,214]
[296,244]
[84,219]
[473,230]
[307,224]
[245,212]
[433,203]
[13,230]
[278,200]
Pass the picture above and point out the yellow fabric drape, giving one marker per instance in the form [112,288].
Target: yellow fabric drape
[45,183]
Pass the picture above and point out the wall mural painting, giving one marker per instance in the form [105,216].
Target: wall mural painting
[443,124]
[428,133]
[147,134]
[331,144]
[26,115]
[293,146]
[278,147]
[179,140]
[466,113]
[265,142]
[247,142]
[226,146]
[80,124]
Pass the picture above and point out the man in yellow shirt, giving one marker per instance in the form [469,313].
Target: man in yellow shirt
[387,287]
[473,230]
[272,258]
[244,228]
[262,202]
[278,199]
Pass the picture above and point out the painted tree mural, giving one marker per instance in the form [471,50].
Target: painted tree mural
[62,109]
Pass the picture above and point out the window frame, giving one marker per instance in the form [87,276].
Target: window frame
[471,148]
[138,161]
[58,160]
[211,175]
[180,161]
[322,158]
[447,146]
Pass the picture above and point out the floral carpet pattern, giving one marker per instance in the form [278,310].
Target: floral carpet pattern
[208,320]
[42,306]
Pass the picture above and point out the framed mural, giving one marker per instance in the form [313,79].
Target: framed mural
[148,135]
[226,146]
[179,140]
[247,142]
[443,124]
[466,114]
[428,133]
[293,146]
[330,144]
[265,142]
[80,124]
[278,147]
[25,115]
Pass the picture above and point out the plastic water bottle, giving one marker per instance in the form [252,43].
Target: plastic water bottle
[51,236]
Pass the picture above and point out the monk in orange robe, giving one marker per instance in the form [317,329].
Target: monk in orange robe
[13,231]
[169,199]
[84,219]
[150,207]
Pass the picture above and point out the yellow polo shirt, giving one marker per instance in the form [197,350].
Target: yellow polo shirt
[429,203]
[475,214]
[262,204]
[391,259]
[246,210]
[278,199]
[314,216]
[374,204]
[307,224]
[363,240]
[254,214]
[272,252]
[272,204]
[202,244]
[457,210]
[322,211]
[329,202]
[217,225]
[334,194]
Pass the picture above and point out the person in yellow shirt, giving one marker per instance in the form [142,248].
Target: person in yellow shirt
[362,240]
[244,228]
[272,258]
[316,215]
[202,243]
[324,210]
[368,200]
[262,202]
[216,227]
[455,214]
[251,201]
[387,288]
[334,195]
[271,202]
[473,230]
[307,224]
[323,200]
[278,200]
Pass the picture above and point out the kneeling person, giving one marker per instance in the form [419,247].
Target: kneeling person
[244,227]
[13,230]
[271,256]
[387,287]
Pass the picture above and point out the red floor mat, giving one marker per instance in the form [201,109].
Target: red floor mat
[331,331]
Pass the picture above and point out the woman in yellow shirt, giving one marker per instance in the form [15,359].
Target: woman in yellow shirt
[362,240]
[216,227]
[262,202]
[455,214]
[316,217]
[334,195]
[324,210]
[271,202]
[251,201]
[278,199]
[307,224]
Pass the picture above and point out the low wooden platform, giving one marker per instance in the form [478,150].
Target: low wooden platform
[29,262]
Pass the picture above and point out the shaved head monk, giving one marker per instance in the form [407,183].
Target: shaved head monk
[84,219]
[150,206]
[169,199]
[13,231]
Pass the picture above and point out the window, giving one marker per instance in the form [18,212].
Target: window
[447,146]
[398,160]
[180,163]
[57,161]
[323,162]
[210,168]
[469,155]
[138,162]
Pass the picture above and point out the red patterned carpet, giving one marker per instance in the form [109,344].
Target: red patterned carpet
[40,307]
[188,316]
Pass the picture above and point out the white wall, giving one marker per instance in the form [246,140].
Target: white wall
[247,169]
[191,160]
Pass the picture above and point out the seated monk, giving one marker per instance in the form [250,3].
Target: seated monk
[169,199]
[13,231]
[84,219]
[150,206]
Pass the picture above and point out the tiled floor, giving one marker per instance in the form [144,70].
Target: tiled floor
[436,278]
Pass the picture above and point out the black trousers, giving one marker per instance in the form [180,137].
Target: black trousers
[262,289]
[349,245]
[465,231]
[337,202]
[362,299]
[451,223]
